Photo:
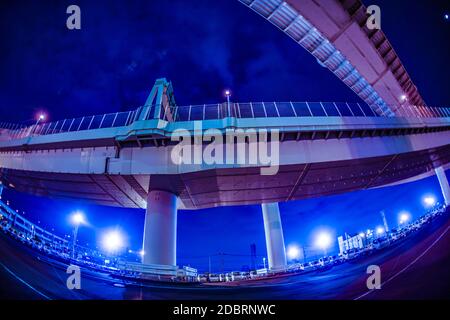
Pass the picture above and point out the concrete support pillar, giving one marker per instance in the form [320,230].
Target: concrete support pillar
[443,181]
[160,230]
[273,229]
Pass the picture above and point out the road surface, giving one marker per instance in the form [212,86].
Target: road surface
[416,267]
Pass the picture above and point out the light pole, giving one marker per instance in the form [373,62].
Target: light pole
[228,94]
[77,219]
[264,262]
[383,217]
[39,119]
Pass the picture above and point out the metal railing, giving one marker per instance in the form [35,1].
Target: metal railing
[292,109]
[109,120]
[250,110]
[11,126]
[255,110]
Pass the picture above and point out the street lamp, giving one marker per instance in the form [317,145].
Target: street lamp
[112,241]
[404,217]
[77,219]
[228,95]
[380,231]
[323,241]
[293,252]
[429,201]
[40,117]
[264,262]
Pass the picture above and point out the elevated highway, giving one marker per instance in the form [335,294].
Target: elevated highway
[317,156]
[336,33]
[127,159]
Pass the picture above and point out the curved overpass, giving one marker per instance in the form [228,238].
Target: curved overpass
[317,156]
[336,34]
[127,159]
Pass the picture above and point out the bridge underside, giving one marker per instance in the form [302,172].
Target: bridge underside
[239,186]
[335,33]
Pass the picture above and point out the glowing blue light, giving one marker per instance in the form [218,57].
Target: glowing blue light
[293,252]
[323,240]
[78,218]
[113,241]
[429,201]
[404,217]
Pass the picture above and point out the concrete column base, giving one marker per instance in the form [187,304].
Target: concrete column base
[273,229]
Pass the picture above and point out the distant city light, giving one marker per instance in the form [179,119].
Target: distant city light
[78,218]
[41,117]
[113,241]
[362,235]
[404,217]
[227,93]
[323,240]
[429,201]
[293,252]
[446,16]
[142,253]
[380,230]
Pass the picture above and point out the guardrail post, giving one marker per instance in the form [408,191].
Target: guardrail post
[309,109]
[349,109]
[293,109]
[339,111]
[114,121]
[325,111]
[101,122]
[276,108]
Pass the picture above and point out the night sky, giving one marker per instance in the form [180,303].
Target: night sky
[202,47]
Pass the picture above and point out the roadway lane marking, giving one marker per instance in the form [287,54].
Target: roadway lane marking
[24,282]
[409,265]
